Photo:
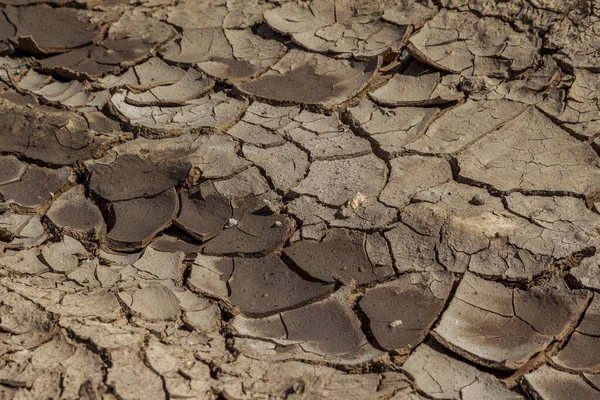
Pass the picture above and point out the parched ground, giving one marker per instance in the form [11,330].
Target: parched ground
[252,199]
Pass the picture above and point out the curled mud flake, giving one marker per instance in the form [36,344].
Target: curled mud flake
[230,55]
[131,39]
[306,78]
[418,85]
[587,273]
[43,38]
[254,231]
[324,331]
[76,215]
[548,383]
[442,376]
[340,256]
[400,313]
[35,189]
[137,221]
[130,176]
[204,212]
[265,286]
[499,327]
[211,111]
[191,86]
[348,29]
[51,136]
[229,14]
[462,43]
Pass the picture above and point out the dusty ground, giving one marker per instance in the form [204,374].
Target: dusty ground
[250,199]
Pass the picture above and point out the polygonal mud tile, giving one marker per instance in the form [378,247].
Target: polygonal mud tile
[324,331]
[391,129]
[209,275]
[462,125]
[131,378]
[412,174]
[581,350]
[400,313]
[561,225]
[573,38]
[340,256]
[358,213]
[23,262]
[285,165]
[325,137]
[253,229]
[499,327]
[260,122]
[307,78]
[76,215]
[264,378]
[137,221]
[413,251]
[527,153]
[547,383]
[232,14]
[581,114]
[12,224]
[466,44]
[442,376]
[335,182]
[183,375]
[161,265]
[249,182]
[204,212]
[200,313]
[418,85]
[153,302]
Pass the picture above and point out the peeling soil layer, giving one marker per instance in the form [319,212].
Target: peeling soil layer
[285,199]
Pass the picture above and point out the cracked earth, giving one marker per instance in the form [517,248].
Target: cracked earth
[256,199]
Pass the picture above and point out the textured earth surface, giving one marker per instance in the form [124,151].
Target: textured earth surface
[254,199]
